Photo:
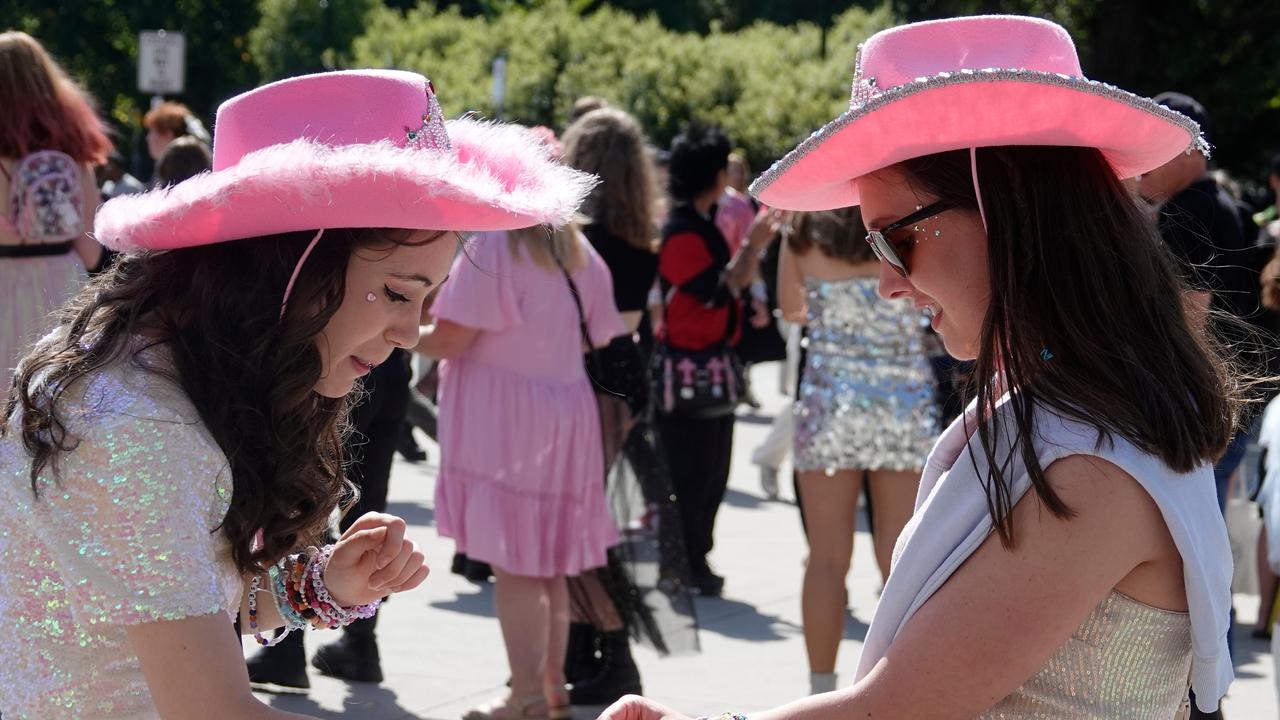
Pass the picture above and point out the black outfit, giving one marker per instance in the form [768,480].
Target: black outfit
[1201,226]
[646,581]
[700,313]
[633,269]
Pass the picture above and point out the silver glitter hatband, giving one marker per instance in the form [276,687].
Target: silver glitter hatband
[865,91]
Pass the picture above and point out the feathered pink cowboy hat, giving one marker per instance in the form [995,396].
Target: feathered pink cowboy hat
[366,148]
[971,82]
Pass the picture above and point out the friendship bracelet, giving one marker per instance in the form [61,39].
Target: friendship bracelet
[725,716]
[255,586]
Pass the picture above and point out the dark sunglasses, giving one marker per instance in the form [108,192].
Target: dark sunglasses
[883,247]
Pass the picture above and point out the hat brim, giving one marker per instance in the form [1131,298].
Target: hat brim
[982,108]
[500,177]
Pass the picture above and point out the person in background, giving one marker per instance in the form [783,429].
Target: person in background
[168,121]
[114,179]
[701,281]
[584,105]
[51,139]
[866,414]
[521,481]
[183,158]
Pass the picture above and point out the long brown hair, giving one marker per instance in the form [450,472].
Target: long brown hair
[609,143]
[44,109]
[215,309]
[1077,269]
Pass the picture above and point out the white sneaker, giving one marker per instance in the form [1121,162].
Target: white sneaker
[769,481]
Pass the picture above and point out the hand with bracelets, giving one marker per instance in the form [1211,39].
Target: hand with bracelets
[333,586]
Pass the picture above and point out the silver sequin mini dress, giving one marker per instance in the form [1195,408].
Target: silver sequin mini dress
[867,394]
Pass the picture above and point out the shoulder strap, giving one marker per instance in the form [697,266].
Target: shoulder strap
[577,302]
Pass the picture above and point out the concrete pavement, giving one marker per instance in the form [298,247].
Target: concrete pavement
[442,651]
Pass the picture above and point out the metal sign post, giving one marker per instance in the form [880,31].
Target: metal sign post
[162,63]
[499,85]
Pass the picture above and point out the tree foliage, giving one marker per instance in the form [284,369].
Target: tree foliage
[295,37]
[766,84]
[97,42]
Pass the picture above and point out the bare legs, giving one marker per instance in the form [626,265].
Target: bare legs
[534,614]
[830,511]
[893,499]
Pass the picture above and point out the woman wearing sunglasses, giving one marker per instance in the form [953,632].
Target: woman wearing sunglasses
[1066,558]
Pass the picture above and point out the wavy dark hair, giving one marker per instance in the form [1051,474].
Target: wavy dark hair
[215,310]
[1078,268]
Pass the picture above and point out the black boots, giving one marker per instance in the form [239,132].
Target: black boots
[281,668]
[354,656]
[609,671]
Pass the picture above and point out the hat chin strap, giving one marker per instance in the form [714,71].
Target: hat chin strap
[288,289]
[977,191]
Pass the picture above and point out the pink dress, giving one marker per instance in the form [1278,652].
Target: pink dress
[521,481]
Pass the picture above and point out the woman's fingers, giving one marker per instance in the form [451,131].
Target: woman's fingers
[414,580]
[397,567]
[395,533]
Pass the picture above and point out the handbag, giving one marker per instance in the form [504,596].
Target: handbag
[698,383]
[617,369]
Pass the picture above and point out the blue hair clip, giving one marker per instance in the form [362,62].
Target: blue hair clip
[1045,354]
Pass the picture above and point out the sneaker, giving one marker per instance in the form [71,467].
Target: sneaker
[769,481]
[281,668]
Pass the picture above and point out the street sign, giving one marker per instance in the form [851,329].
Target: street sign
[162,62]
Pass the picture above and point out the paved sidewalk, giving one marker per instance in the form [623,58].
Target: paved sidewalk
[442,651]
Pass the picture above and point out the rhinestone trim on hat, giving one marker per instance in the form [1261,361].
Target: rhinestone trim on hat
[866,98]
[431,135]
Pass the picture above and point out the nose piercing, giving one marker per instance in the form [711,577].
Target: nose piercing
[370,297]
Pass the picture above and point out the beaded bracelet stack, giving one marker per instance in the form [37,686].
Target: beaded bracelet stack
[297,585]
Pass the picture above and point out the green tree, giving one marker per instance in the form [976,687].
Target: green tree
[296,37]
[769,86]
[97,42]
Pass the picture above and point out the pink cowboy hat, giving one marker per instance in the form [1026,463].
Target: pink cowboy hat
[971,82]
[365,148]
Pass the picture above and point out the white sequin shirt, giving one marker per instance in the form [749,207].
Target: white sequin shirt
[125,536]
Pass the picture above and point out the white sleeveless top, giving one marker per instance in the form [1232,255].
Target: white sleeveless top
[951,520]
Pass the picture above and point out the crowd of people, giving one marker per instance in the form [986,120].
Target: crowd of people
[1040,351]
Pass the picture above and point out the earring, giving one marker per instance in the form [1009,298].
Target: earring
[370,297]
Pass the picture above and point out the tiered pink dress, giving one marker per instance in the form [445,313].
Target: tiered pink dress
[521,482]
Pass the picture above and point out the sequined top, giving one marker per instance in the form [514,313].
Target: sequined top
[1127,661]
[124,536]
[868,398]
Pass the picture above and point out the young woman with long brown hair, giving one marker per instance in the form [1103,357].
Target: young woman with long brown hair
[1066,557]
[171,453]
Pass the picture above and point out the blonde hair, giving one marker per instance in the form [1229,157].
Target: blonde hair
[549,248]
[609,143]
